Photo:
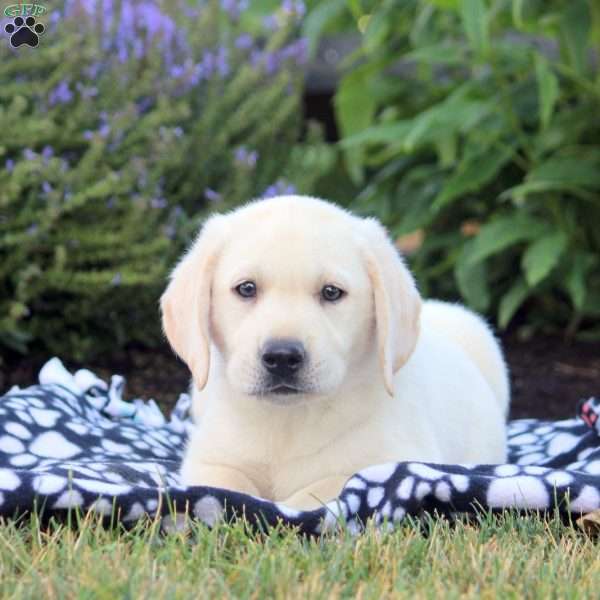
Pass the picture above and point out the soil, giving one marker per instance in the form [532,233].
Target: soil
[549,376]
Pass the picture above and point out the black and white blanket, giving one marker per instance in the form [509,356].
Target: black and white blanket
[72,442]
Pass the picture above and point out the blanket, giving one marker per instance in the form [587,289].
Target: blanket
[73,442]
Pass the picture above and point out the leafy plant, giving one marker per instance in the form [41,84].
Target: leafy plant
[476,124]
[126,125]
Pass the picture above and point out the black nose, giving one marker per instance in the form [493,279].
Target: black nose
[283,357]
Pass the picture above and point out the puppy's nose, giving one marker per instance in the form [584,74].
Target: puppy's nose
[283,357]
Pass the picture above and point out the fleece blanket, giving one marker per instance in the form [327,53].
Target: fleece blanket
[72,442]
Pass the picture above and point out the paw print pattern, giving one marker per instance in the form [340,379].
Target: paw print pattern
[24,31]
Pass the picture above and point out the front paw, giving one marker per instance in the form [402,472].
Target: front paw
[317,494]
[217,476]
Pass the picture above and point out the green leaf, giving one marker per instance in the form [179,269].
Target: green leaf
[377,30]
[517,13]
[437,54]
[503,233]
[355,109]
[318,19]
[575,29]
[475,24]
[548,90]
[575,281]
[448,4]
[472,281]
[378,134]
[560,174]
[454,115]
[542,256]
[511,301]
[472,174]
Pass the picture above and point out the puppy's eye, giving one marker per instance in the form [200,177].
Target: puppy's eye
[246,289]
[330,293]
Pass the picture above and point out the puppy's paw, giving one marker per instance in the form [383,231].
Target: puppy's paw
[317,494]
[222,477]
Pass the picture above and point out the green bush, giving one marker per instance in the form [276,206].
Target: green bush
[478,124]
[126,124]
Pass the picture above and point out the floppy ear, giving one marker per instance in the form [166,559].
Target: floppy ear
[185,304]
[397,301]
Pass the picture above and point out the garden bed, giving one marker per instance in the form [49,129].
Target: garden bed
[548,374]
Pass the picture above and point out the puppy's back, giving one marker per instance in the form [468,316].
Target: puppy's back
[474,336]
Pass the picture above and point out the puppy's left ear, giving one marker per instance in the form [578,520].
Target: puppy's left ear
[397,301]
[186,302]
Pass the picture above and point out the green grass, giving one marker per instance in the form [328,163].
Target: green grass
[507,557]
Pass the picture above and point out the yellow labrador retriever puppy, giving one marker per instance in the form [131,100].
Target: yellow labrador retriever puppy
[313,356]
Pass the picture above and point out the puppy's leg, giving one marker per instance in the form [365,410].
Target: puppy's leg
[217,476]
[317,494]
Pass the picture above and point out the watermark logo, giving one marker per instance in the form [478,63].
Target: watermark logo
[25,28]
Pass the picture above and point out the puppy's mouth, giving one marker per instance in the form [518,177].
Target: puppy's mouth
[281,393]
[282,389]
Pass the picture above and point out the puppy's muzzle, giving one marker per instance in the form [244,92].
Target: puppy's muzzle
[283,358]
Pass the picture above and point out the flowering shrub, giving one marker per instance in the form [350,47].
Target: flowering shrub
[126,124]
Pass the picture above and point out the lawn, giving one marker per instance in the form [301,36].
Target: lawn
[506,556]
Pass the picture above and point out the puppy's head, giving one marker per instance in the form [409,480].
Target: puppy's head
[295,294]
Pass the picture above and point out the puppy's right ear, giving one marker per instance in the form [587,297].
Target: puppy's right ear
[397,301]
[185,304]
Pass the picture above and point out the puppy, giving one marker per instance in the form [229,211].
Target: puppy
[313,356]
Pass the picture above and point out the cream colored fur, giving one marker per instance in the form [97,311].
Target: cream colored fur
[388,378]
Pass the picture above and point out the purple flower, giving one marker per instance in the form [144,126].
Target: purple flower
[177,71]
[270,192]
[234,7]
[93,70]
[271,62]
[255,58]
[88,135]
[197,73]
[158,203]
[32,229]
[246,158]
[271,23]
[104,131]
[279,188]
[208,65]
[116,280]
[123,54]
[111,203]
[212,196]
[244,41]
[29,154]
[46,188]
[9,165]
[61,94]
[231,8]
[294,8]
[221,62]
[47,153]
[296,51]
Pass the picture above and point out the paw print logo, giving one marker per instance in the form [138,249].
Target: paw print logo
[24,31]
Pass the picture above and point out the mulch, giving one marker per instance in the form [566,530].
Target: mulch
[549,375]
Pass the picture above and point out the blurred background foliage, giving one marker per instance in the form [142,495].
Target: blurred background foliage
[119,133]
[471,128]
